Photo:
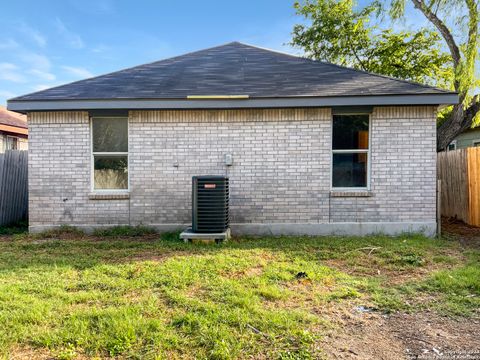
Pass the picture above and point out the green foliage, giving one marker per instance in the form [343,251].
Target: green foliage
[411,56]
[411,259]
[444,115]
[337,33]
[130,298]
[463,17]
[340,33]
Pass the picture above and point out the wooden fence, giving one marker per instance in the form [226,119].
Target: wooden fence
[13,186]
[460,187]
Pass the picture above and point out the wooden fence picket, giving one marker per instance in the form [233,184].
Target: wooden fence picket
[13,186]
[459,172]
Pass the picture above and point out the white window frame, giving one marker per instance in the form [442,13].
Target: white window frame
[92,158]
[454,143]
[475,141]
[351,151]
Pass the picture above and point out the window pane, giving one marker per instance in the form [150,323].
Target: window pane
[350,170]
[110,172]
[350,132]
[110,135]
[12,143]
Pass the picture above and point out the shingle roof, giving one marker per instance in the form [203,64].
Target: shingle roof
[232,69]
[11,118]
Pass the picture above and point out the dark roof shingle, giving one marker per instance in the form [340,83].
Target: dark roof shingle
[232,69]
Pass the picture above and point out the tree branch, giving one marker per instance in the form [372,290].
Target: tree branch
[442,28]
[362,65]
[473,109]
[364,68]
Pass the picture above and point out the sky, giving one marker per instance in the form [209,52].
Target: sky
[45,43]
[52,42]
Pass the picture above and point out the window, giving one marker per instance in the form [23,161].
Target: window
[476,143]
[110,153]
[452,146]
[350,151]
[12,143]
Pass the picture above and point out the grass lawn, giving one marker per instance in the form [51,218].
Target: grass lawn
[67,295]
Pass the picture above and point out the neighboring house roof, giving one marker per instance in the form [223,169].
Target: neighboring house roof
[262,75]
[472,129]
[12,118]
[13,122]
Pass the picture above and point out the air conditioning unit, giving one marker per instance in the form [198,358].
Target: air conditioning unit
[210,196]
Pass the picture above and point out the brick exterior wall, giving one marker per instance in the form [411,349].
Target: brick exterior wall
[403,170]
[280,174]
[59,174]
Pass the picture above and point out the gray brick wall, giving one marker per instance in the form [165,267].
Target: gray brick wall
[403,170]
[59,174]
[281,170]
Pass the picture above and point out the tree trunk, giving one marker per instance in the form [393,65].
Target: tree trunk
[453,126]
[459,121]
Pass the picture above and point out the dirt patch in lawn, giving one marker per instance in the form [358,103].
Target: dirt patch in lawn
[468,236]
[392,277]
[431,335]
[370,335]
[244,273]
[149,256]
[24,353]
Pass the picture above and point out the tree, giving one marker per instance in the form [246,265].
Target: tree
[341,33]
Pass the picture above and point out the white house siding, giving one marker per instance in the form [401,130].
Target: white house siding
[280,178]
[467,139]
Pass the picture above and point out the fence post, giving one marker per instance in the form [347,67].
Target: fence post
[439,208]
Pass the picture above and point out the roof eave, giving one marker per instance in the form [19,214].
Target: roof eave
[13,129]
[24,106]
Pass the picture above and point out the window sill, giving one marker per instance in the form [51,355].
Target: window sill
[109,196]
[351,193]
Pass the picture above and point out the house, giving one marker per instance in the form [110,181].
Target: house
[13,131]
[468,138]
[316,148]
